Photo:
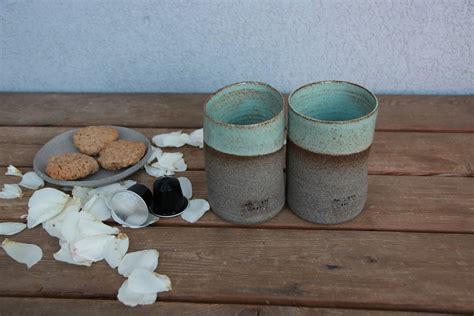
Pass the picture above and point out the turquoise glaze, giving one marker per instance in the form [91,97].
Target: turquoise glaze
[332,117]
[245,119]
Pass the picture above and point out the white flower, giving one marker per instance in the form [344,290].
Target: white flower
[11,228]
[173,139]
[145,259]
[13,171]
[196,138]
[11,191]
[45,204]
[195,210]
[31,180]
[28,254]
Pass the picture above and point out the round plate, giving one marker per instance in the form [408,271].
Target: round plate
[63,143]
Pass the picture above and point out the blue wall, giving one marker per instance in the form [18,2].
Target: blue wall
[419,46]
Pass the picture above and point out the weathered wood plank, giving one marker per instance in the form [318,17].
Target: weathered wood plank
[445,154]
[434,204]
[397,112]
[371,270]
[51,307]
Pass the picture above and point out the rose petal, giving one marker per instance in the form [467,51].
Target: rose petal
[130,298]
[174,139]
[11,228]
[45,204]
[115,250]
[98,208]
[186,187]
[145,259]
[195,210]
[11,191]
[13,171]
[196,138]
[107,191]
[147,282]
[91,248]
[89,228]
[156,153]
[155,171]
[31,180]
[81,193]
[54,226]
[64,255]
[172,162]
[28,254]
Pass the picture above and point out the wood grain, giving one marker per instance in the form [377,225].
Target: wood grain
[397,153]
[433,204]
[51,307]
[350,269]
[397,112]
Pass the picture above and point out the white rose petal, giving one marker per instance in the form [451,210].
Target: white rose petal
[11,228]
[195,210]
[130,298]
[11,191]
[64,255]
[174,139]
[196,138]
[116,249]
[45,204]
[155,171]
[31,180]
[98,208]
[89,228]
[54,226]
[156,153]
[81,193]
[13,171]
[91,248]
[28,254]
[172,162]
[147,282]
[186,187]
[145,259]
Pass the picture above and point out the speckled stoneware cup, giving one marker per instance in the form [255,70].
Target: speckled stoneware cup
[244,127]
[331,126]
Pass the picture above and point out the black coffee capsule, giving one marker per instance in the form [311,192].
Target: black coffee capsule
[131,207]
[168,199]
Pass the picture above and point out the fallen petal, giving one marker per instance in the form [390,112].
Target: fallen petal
[98,208]
[11,191]
[155,171]
[186,187]
[13,171]
[195,210]
[45,204]
[64,255]
[55,224]
[144,259]
[81,193]
[11,228]
[174,139]
[115,249]
[31,180]
[156,153]
[91,248]
[196,138]
[89,228]
[28,254]
[130,298]
[180,165]
[147,282]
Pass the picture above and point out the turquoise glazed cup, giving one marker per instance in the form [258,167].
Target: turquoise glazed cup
[244,126]
[331,127]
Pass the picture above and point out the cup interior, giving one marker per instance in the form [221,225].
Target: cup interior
[244,103]
[333,101]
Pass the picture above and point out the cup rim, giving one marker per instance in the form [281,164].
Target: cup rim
[246,126]
[291,107]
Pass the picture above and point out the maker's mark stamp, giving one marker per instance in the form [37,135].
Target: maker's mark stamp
[341,203]
[256,206]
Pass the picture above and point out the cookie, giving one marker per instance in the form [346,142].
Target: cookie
[71,166]
[92,139]
[121,154]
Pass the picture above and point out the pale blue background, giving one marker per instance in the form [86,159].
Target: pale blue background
[400,46]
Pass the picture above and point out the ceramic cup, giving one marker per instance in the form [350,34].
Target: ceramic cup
[244,127]
[331,127]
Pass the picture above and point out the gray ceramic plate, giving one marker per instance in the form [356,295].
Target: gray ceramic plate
[63,143]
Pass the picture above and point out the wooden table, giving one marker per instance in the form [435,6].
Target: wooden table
[411,250]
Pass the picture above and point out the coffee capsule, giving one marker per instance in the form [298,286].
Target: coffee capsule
[168,198]
[130,207]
